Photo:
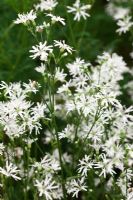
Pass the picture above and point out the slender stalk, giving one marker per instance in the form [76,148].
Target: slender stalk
[70,26]
[60,159]
[96,117]
[93,124]
[51,90]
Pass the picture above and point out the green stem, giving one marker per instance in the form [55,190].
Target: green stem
[70,26]
[94,122]
[51,88]
[96,117]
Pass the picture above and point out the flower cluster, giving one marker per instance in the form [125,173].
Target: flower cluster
[79,10]
[122,15]
[17,114]
[26,18]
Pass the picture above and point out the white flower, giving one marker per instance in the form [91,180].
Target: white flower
[117,12]
[64,88]
[85,165]
[11,128]
[63,46]
[2,147]
[85,104]
[110,71]
[47,5]
[49,163]
[80,81]
[106,165]
[31,123]
[79,10]
[41,50]
[121,13]
[32,86]
[77,67]
[70,106]
[37,112]
[12,90]
[58,193]
[126,114]
[130,194]
[124,183]
[29,141]
[108,98]
[75,186]
[68,132]
[56,19]
[46,187]
[40,28]
[112,63]
[41,69]
[18,114]
[26,18]
[60,75]
[96,133]
[10,171]
[124,25]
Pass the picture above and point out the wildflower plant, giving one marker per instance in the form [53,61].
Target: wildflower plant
[67,136]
